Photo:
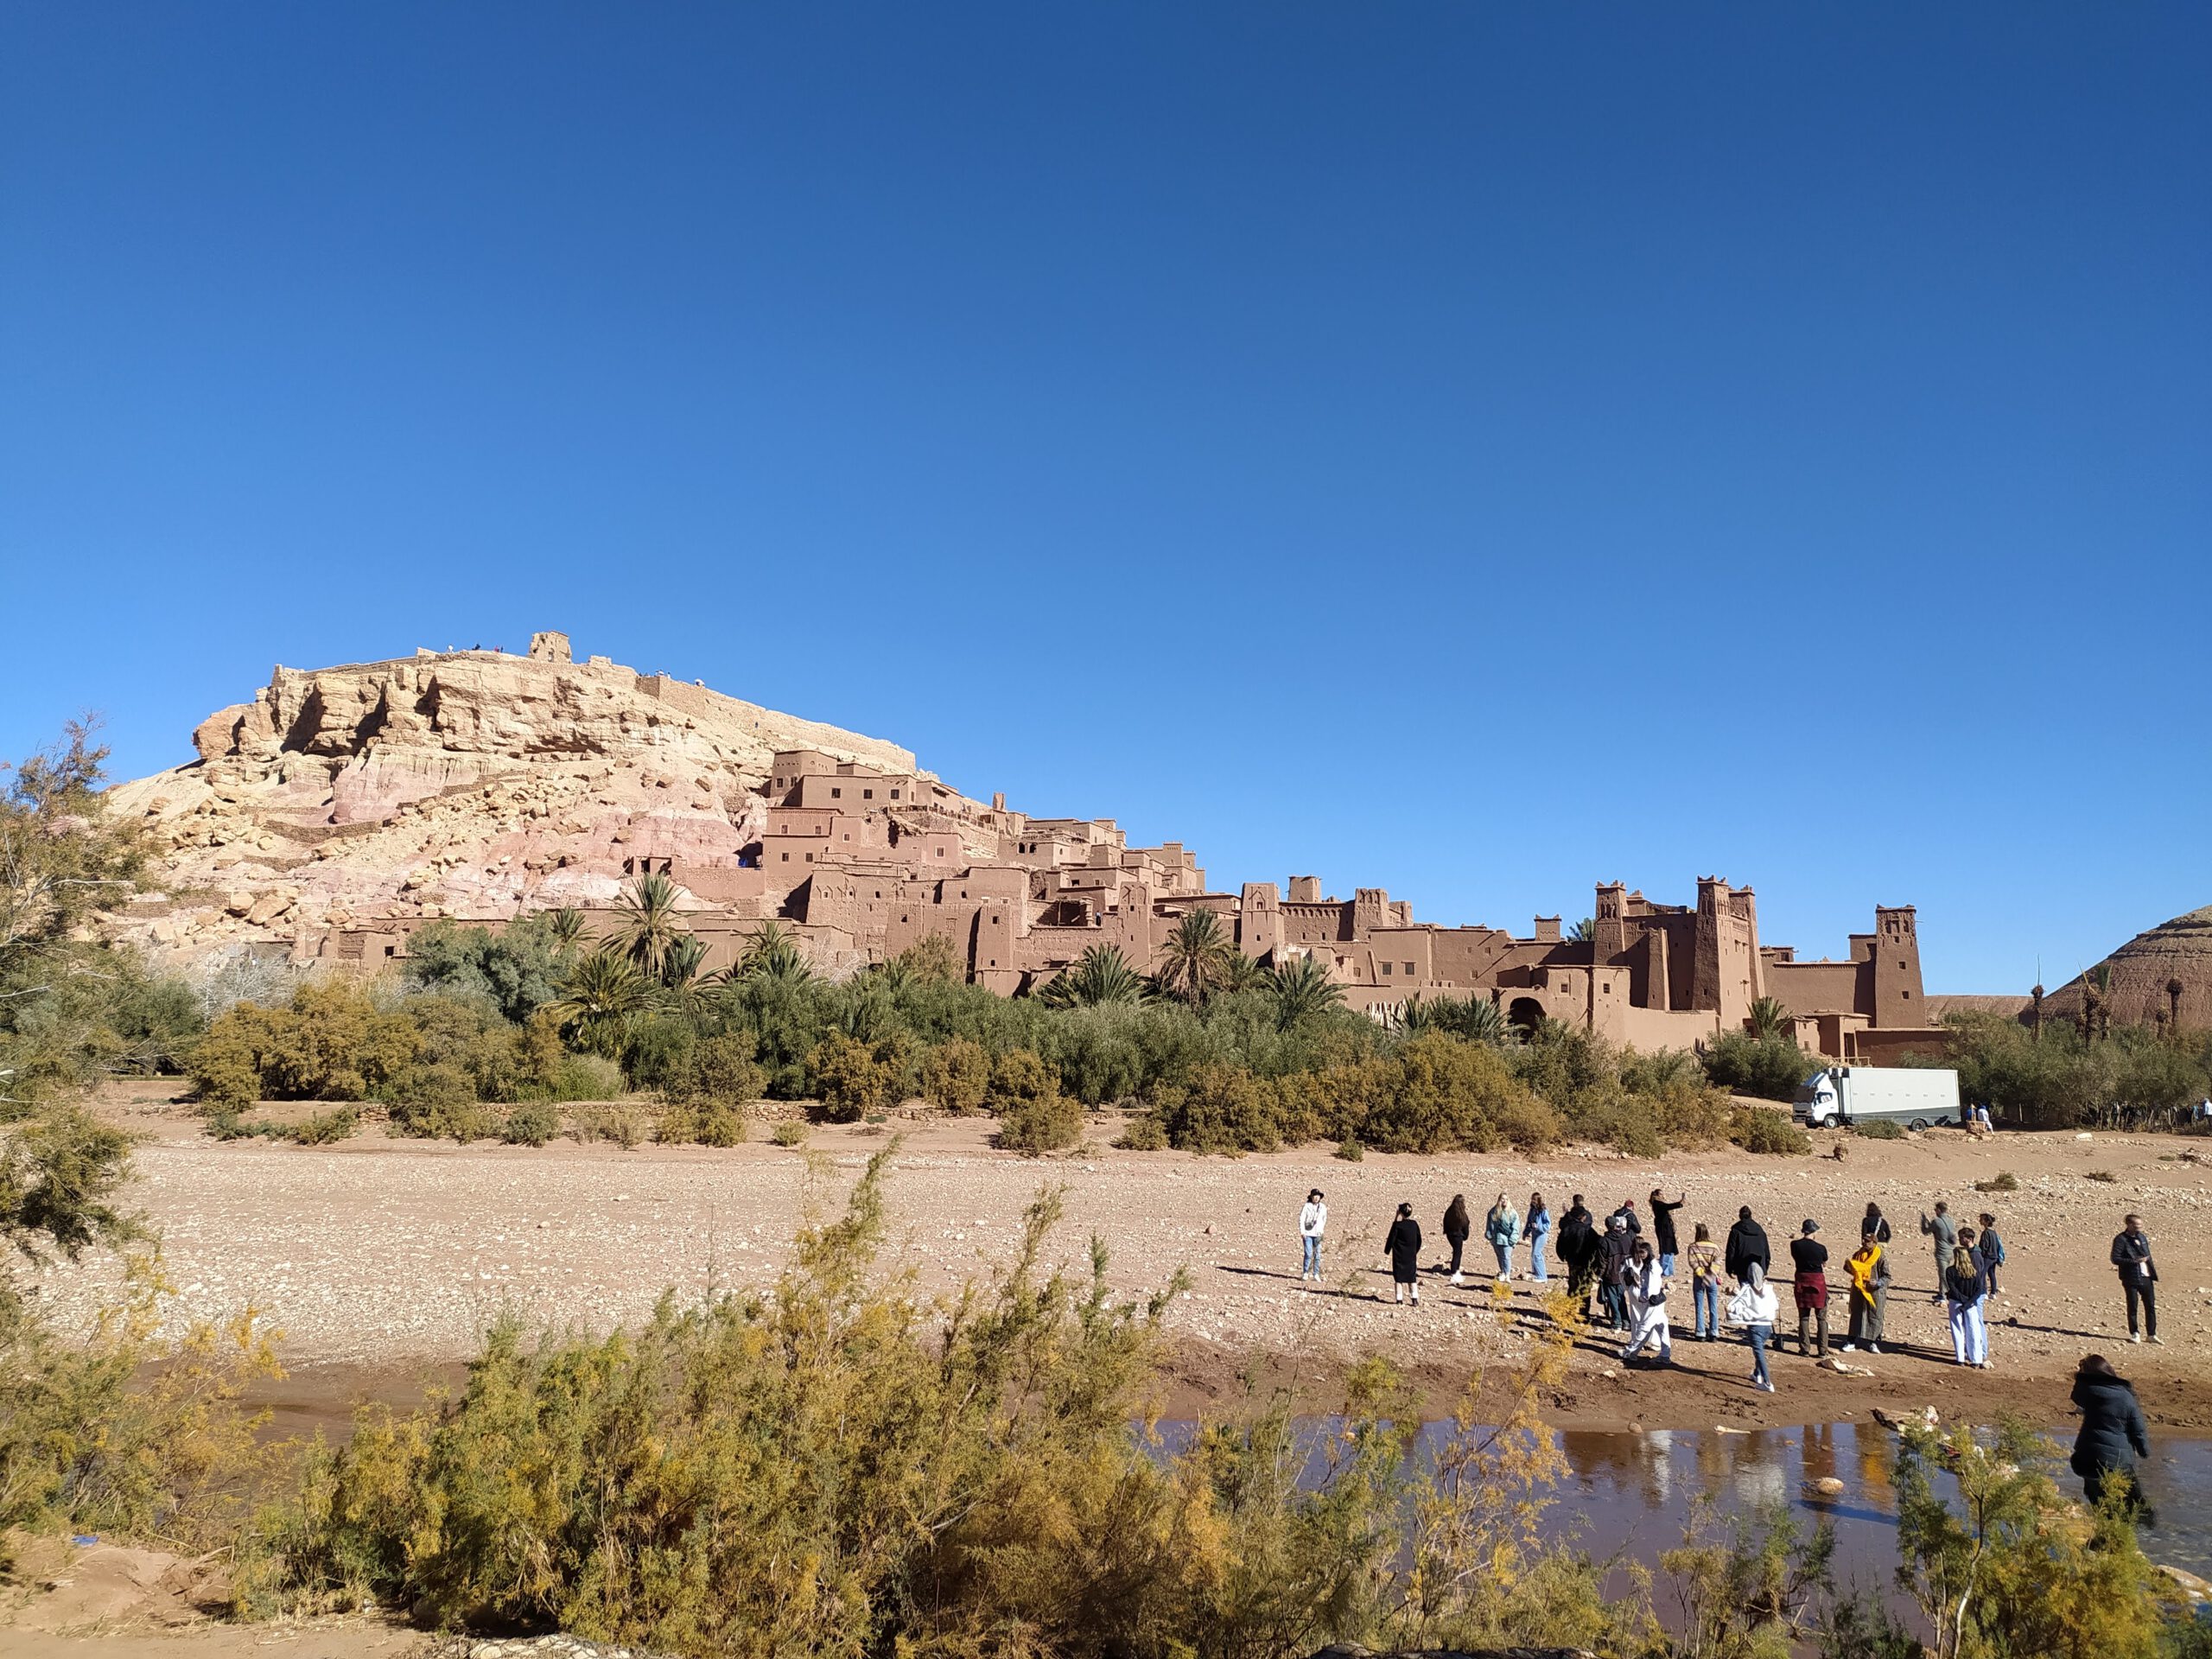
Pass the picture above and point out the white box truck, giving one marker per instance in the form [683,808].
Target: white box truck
[1913,1096]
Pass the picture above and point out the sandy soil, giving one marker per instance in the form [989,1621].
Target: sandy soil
[381,1260]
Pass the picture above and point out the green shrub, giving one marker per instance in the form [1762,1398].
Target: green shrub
[1019,1079]
[1350,1151]
[617,1120]
[2004,1181]
[325,1127]
[1143,1133]
[587,1077]
[1223,1108]
[517,970]
[956,1075]
[1773,1068]
[792,1132]
[1452,1093]
[1625,1122]
[330,1042]
[705,1123]
[531,1124]
[1759,1129]
[1039,1126]
[848,1079]
[1686,1111]
[1879,1129]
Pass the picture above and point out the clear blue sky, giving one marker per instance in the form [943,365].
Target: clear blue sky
[1475,450]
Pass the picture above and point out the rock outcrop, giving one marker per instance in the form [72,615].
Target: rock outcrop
[474,784]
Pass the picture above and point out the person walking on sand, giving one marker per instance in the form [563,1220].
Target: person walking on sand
[1662,1229]
[2138,1277]
[1647,1307]
[1704,1263]
[1809,1260]
[1458,1229]
[1752,1309]
[1961,1291]
[1876,1225]
[1312,1222]
[1539,1229]
[2113,1433]
[1992,1249]
[1945,1232]
[1747,1247]
[1403,1246]
[1502,1227]
[1869,1266]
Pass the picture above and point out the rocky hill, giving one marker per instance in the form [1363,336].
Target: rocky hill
[473,784]
[2167,963]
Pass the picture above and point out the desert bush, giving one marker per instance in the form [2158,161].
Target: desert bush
[1879,1129]
[790,1133]
[848,1078]
[587,1077]
[1144,1132]
[1451,1093]
[1772,1068]
[618,1121]
[718,1071]
[330,1042]
[517,970]
[325,1127]
[1624,1121]
[2004,1181]
[1223,1108]
[705,1123]
[957,1074]
[440,1102]
[534,1123]
[1049,1123]
[1759,1129]
[1686,1111]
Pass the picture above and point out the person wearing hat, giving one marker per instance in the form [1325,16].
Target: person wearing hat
[1808,1259]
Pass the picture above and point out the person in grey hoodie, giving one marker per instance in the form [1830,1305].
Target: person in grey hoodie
[1944,1230]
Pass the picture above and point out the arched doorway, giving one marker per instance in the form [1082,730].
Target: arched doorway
[1526,1014]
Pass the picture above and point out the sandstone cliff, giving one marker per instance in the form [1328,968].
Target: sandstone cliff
[472,784]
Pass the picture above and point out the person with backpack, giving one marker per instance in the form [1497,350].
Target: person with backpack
[2113,1433]
[2138,1277]
[1752,1310]
[1647,1307]
[1704,1263]
[1747,1246]
[1628,1219]
[1402,1245]
[1961,1293]
[1458,1229]
[1869,1268]
[1992,1250]
[1502,1227]
[1613,1271]
[1876,1225]
[1312,1223]
[1945,1232]
[1808,1259]
[1539,1229]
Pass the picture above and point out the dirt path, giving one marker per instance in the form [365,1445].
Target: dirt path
[382,1260]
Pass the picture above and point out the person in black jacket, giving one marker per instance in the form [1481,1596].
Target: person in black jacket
[1577,1248]
[1618,1248]
[1663,1236]
[1875,1226]
[1457,1227]
[2138,1277]
[1808,1259]
[1746,1244]
[1403,1246]
[2113,1434]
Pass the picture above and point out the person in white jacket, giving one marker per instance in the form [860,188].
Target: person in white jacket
[1312,1222]
[1752,1309]
[1646,1284]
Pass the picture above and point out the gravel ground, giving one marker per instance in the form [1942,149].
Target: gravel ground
[378,1254]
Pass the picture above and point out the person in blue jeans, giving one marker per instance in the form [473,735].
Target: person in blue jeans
[1312,1223]
[1538,1230]
[1703,1260]
[1754,1307]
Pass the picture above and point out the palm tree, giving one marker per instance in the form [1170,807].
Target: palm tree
[603,990]
[2096,1002]
[1413,1016]
[568,925]
[1194,962]
[771,953]
[680,964]
[1769,1019]
[1481,1020]
[1302,987]
[1101,974]
[649,922]
[1245,973]
[2174,989]
[1584,931]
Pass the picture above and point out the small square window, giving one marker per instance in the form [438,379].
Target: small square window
[809,858]
[786,857]
[1386,968]
[836,794]
[895,794]
[1409,967]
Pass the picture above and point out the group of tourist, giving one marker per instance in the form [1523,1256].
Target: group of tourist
[1630,1275]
